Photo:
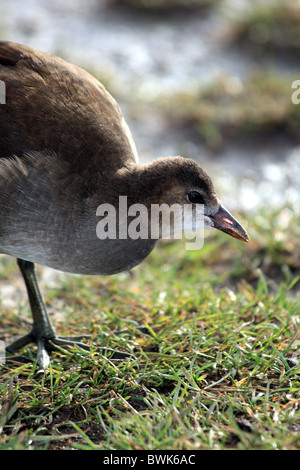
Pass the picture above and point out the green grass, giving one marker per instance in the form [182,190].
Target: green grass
[163,6]
[218,371]
[272,25]
[230,107]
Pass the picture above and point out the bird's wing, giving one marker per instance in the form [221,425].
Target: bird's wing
[55,106]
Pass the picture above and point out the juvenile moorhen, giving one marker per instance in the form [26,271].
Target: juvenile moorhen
[65,149]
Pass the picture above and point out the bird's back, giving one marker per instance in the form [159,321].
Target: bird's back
[53,105]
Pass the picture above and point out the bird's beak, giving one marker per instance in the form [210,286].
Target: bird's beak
[224,221]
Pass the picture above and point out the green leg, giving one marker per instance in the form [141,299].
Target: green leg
[42,330]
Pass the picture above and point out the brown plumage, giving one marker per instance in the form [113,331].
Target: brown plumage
[64,150]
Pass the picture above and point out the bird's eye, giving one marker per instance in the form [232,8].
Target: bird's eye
[195,198]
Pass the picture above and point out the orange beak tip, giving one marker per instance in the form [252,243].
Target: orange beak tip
[224,221]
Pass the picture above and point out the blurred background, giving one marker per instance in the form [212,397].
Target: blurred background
[207,79]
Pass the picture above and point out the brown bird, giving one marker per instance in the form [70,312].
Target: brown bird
[65,151]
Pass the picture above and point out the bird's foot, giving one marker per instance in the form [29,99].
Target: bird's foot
[43,359]
[46,345]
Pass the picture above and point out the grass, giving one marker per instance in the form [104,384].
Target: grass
[230,107]
[272,25]
[219,369]
[163,6]
[227,108]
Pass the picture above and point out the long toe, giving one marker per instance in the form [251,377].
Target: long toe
[45,346]
[112,353]
[43,359]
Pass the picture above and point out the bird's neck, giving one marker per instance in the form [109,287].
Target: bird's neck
[148,183]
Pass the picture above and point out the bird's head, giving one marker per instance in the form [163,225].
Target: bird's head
[182,181]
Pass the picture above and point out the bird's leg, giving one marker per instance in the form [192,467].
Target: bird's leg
[42,326]
[42,329]
[43,333]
